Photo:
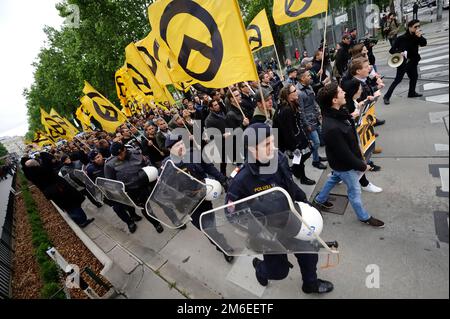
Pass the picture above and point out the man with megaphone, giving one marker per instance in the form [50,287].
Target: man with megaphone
[408,46]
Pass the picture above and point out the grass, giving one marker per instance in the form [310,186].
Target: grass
[48,270]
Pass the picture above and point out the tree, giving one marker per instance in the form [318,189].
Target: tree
[250,8]
[92,52]
[3,150]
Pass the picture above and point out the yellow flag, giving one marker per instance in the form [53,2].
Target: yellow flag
[142,77]
[106,113]
[208,39]
[286,11]
[53,127]
[161,63]
[121,88]
[41,139]
[84,117]
[72,130]
[259,32]
[151,54]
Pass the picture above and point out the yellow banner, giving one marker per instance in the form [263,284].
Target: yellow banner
[366,130]
[84,117]
[259,32]
[142,77]
[53,127]
[72,130]
[207,38]
[42,140]
[286,11]
[106,113]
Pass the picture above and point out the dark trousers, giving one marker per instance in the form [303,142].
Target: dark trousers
[410,69]
[415,15]
[78,215]
[276,267]
[140,196]
[124,212]
[299,169]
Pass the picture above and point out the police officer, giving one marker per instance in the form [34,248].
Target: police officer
[253,177]
[68,168]
[186,161]
[125,165]
[96,168]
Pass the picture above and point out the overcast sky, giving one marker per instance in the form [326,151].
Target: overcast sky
[21,24]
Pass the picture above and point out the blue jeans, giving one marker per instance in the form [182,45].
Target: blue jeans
[314,136]
[351,179]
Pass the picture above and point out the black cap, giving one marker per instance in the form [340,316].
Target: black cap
[172,139]
[116,148]
[291,70]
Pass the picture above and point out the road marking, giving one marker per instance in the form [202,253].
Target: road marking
[434,74]
[442,57]
[433,66]
[444,172]
[441,147]
[434,86]
[434,53]
[433,49]
[437,117]
[443,98]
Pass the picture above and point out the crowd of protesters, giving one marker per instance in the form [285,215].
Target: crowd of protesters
[312,106]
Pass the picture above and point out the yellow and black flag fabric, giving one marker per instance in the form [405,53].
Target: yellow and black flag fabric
[121,87]
[72,130]
[54,128]
[159,61]
[42,140]
[259,32]
[84,117]
[207,38]
[142,78]
[103,111]
[286,11]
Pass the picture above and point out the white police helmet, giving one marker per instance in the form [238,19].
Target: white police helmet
[213,189]
[313,218]
[151,172]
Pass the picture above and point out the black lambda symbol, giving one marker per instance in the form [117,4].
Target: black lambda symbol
[288,5]
[107,113]
[214,53]
[257,39]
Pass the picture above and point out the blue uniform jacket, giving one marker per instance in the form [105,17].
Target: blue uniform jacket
[249,182]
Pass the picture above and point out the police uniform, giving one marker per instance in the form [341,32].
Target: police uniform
[129,172]
[199,171]
[249,181]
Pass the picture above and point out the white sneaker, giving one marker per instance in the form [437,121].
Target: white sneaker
[372,188]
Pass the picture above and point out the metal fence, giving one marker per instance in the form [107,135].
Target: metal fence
[6,246]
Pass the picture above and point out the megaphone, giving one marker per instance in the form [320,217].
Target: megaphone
[396,60]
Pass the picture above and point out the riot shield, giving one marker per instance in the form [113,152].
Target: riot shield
[73,183]
[175,197]
[265,223]
[115,191]
[92,189]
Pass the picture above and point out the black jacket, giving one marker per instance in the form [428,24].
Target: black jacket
[342,58]
[291,129]
[248,105]
[410,43]
[234,118]
[342,146]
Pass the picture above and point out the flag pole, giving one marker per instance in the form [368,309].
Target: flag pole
[324,40]
[263,100]
[279,63]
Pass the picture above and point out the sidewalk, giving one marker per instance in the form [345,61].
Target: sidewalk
[182,264]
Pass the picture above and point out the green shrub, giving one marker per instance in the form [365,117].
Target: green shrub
[47,268]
